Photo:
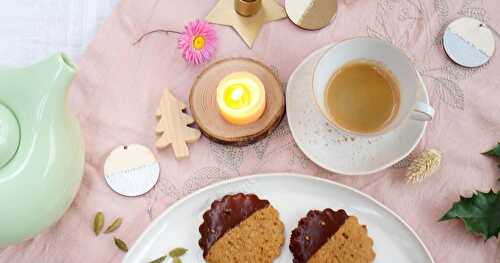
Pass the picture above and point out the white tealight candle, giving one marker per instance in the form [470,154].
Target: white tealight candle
[241,98]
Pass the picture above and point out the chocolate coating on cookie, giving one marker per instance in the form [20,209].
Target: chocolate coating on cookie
[314,231]
[225,214]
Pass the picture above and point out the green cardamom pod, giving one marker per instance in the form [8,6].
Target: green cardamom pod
[116,224]
[121,245]
[159,260]
[177,252]
[177,260]
[98,223]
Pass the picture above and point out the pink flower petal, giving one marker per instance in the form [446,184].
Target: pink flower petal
[198,28]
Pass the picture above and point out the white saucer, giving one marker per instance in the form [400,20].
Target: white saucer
[333,150]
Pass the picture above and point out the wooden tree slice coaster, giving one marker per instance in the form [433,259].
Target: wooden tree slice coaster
[204,108]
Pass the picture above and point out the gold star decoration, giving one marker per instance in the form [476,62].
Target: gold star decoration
[248,27]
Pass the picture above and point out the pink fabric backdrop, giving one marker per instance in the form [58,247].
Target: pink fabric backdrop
[119,85]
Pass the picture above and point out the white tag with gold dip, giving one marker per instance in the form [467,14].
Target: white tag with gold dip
[311,14]
[131,170]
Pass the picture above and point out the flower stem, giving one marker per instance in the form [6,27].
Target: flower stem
[155,31]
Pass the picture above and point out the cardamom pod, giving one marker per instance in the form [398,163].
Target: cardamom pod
[177,252]
[121,245]
[159,260]
[98,223]
[177,260]
[116,224]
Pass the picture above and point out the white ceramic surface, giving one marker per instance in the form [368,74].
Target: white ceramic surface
[293,196]
[381,53]
[334,150]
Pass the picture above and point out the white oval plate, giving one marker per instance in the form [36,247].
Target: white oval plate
[293,196]
[333,150]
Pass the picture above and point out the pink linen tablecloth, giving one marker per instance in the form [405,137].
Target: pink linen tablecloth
[119,85]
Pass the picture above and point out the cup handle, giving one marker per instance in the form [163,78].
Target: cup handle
[423,112]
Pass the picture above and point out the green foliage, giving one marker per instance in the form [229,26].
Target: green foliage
[495,152]
[480,213]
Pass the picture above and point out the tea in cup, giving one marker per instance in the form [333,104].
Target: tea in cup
[367,87]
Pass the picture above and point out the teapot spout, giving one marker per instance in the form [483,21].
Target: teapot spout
[67,62]
[64,71]
[51,76]
[40,88]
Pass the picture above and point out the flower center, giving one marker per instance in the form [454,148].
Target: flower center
[199,42]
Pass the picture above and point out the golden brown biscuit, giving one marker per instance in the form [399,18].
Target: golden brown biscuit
[241,228]
[331,237]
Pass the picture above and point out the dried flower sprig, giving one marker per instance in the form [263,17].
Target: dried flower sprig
[424,166]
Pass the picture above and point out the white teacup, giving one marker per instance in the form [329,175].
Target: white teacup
[391,58]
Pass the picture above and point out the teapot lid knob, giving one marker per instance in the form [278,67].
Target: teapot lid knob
[9,135]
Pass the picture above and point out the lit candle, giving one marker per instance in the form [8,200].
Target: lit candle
[241,98]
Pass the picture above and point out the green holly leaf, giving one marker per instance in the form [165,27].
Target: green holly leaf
[495,152]
[480,213]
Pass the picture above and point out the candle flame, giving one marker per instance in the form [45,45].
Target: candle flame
[241,98]
[237,94]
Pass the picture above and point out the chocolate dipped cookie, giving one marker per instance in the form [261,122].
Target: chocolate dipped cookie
[241,228]
[331,237]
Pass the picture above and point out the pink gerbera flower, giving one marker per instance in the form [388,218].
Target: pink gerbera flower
[198,42]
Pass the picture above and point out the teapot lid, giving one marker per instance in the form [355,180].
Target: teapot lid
[9,135]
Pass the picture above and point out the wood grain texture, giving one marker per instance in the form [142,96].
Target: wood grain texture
[173,126]
[204,108]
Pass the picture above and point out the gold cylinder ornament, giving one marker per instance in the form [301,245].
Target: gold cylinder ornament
[247,8]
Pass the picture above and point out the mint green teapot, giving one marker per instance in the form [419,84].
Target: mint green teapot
[41,148]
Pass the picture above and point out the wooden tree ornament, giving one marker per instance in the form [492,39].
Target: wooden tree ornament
[173,126]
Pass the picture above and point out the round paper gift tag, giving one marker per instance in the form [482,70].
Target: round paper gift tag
[469,42]
[131,170]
